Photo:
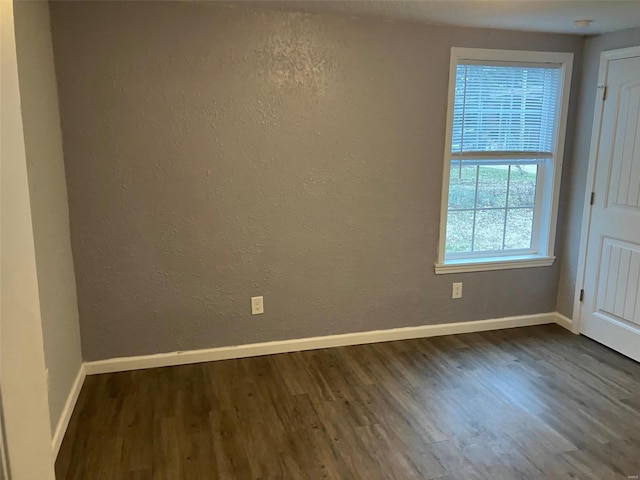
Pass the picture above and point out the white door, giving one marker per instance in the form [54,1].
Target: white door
[611,310]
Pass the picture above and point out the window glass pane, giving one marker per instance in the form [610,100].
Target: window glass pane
[519,228]
[489,230]
[492,186]
[496,188]
[459,231]
[522,185]
[505,108]
[462,186]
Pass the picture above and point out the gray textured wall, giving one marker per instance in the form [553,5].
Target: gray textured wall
[576,177]
[217,153]
[48,194]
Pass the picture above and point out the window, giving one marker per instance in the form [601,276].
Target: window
[503,157]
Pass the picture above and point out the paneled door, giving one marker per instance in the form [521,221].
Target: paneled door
[610,312]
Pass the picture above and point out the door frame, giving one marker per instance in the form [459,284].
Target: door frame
[605,58]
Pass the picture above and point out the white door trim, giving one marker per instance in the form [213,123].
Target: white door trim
[605,58]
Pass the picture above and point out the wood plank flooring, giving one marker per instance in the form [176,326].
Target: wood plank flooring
[526,403]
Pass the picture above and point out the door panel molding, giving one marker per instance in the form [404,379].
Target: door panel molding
[620,185]
[619,273]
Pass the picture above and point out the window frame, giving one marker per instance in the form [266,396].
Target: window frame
[546,211]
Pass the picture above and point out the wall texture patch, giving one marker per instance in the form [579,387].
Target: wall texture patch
[213,154]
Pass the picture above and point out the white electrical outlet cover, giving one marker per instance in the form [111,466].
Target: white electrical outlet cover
[456,291]
[257,305]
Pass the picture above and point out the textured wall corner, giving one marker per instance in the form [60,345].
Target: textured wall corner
[25,413]
[49,206]
[215,153]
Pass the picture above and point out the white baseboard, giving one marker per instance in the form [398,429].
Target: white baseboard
[563,321]
[69,405]
[296,345]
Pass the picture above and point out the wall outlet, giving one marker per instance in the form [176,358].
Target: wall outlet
[456,291]
[257,306]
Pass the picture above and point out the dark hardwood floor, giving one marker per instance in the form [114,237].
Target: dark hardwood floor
[526,403]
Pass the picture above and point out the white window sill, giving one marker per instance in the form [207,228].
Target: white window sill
[493,263]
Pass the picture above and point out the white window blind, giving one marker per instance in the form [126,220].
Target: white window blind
[505,108]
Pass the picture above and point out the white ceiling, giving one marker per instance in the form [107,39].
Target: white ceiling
[530,15]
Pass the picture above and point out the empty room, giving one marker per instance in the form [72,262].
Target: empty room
[350,239]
